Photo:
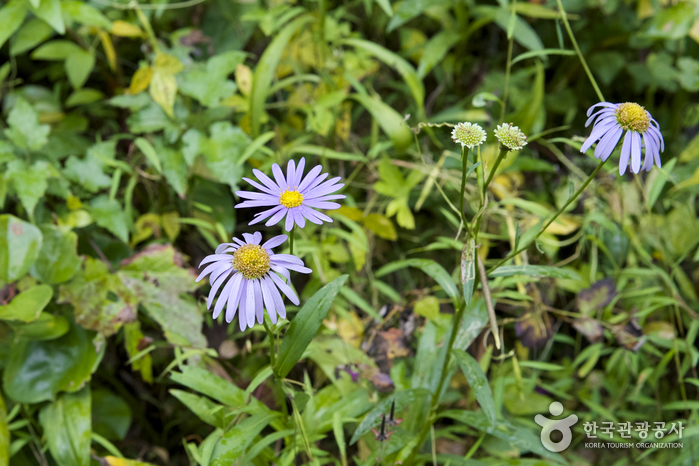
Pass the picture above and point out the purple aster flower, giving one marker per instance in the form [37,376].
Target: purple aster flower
[642,132]
[252,272]
[295,196]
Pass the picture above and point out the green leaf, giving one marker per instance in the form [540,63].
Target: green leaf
[435,51]
[84,97]
[86,172]
[390,121]
[67,425]
[50,11]
[208,83]
[111,415]
[100,300]
[402,399]
[534,271]
[542,366]
[656,182]
[689,405]
[163,89]
[30,183]
[407,10]
[266,68]
[429,267]
[25,130]
[56,50]
[671,23]
[149,151]
[31,34]
[85,14]
[38,370]
[237,439]
[27,305]
[4,435]
[20,243]
[205,409]
[305,325]
[401,65]
[427,307]
[46,327]
[523,33]
[478,382]
[541,53]
[108,214]
[11,18]
[163,293]
[79,65]
[173,166]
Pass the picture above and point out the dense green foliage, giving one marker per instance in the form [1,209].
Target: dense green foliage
[127,129]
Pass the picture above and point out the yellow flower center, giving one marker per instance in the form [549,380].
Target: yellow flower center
[291,199]
[251,260]
[634,117]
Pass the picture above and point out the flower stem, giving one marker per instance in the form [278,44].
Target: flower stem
[564,16]
[464,169]
[501,155]
[291,239]
[552,219]
[272,355]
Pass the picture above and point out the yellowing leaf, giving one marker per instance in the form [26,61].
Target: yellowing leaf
[344,121]
[146,225]
[123,29]
[167,64]
[243,77]
[381,226]
[171,225]
[114,461]
[427,307]
[108,48]
[351,213]
[141,80]
[163,88]
[236,101]
[351,330]
[73,202]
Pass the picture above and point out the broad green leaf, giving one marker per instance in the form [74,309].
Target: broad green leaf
[67,425]
[100,300]
[402,66]
[27,305]
[85,14]
[205,409]
[133,338]
[523,33]
[4,435]
[267,66]
[11,17]
[20,243]
[58,260]
[478,382]
[51,12]
[30,182]
[38,370]
[671,23]
[46,327]
[56,50]
[171,163]
[305,325]
[208,83]
[373,419]
[427,307]
[163,293]
[350,295]
[109,214]
[87,172]
[429,267]
[83,97]
[534,271]
[31,34]
[111,415]
[149,151]
[236,440]
[390,121]
[407,10]
[656,182]
[25,130]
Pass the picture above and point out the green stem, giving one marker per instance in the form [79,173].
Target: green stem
[564,16]
[501,155]
[291,239]
[553,219]
[464,169]
[272,352]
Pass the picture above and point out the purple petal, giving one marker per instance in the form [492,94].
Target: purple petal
[290,173]
[281,271]
[601,104]
[243,292]
[276,218]
[267,181]
[279,176]
[323,191]
[289,224]
[210,268]
[311,214]
[250,303]
[298,217]
[221,247]
[286,289]
[607,144]
[264,189]
[635,152]
[649,144]
[319,179]
[268,299]
[259,303]
[278,301]
[597,132]
[256,196]
[217,273]
[249,239]
[214,289]
[257,236]
[322,205]
[223,298]
[274,242]
[234,297]
[247,204]
[299,173]
[625,153]
[310,178]
[263,215]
